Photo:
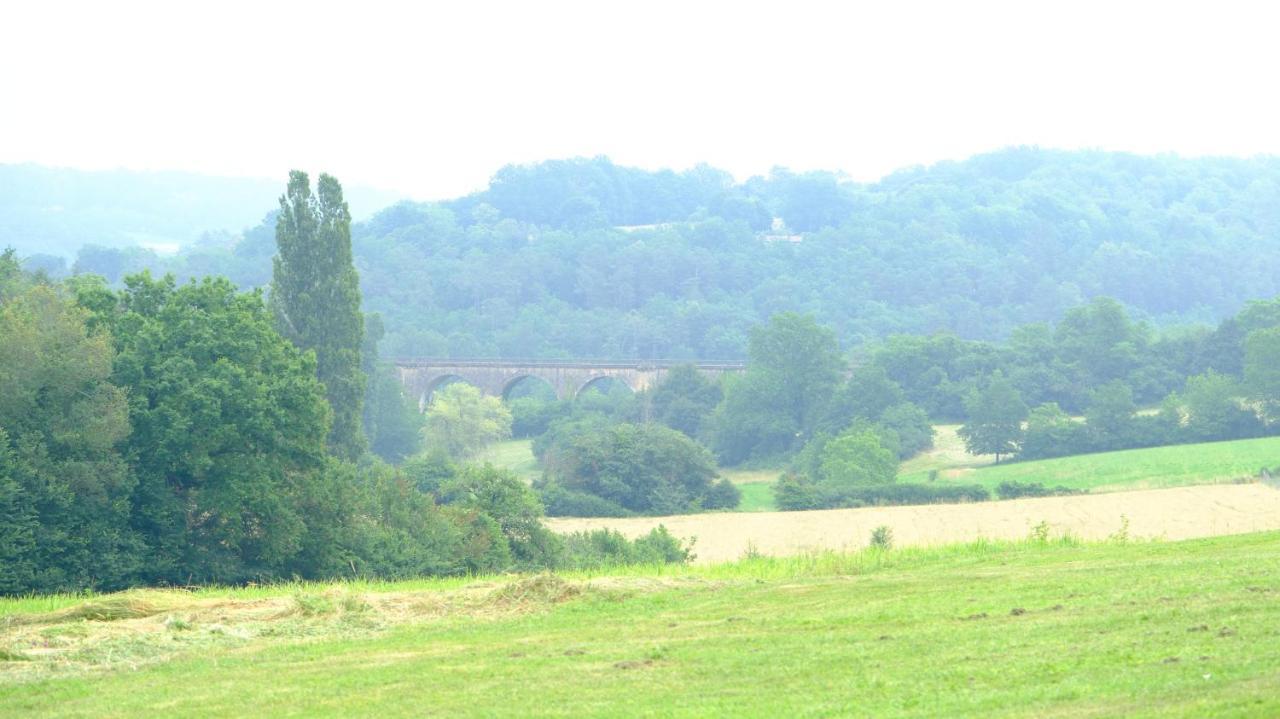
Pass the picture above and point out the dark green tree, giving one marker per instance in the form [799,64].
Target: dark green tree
[647,469]
[1262,368]
[867,394]
[857,458]
[793,370]
[315,298]
[227,447]
[64,487]
[1109,416]
[995,421]
[1052,433]
[1215,409]
[684,399]
[911,424]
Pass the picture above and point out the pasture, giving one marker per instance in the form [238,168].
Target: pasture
[1047,627]
[1152,468]
[515,455]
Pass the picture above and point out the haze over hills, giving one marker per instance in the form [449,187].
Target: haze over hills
[586,258]
[56,211]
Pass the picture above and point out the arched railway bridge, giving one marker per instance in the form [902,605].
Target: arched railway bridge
[568,378]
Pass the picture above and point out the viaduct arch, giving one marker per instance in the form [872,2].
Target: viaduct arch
[421,377]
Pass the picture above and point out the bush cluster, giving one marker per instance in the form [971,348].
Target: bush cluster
[1013,490]
[795,492]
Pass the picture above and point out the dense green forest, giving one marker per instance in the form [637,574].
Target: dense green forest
[583,258]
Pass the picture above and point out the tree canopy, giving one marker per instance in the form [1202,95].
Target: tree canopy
[315,297]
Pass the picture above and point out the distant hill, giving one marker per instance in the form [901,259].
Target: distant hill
[55,211]
[585,258]
[548,260]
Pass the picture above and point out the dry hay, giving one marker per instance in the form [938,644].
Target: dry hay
[1177,513]
[135,628]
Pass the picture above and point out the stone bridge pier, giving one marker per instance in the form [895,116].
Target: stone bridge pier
[421,377]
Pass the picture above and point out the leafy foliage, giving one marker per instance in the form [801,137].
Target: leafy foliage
[228,421]
[684,400]
[315,297]
[777,405]
[608,548]
[64,487]
[646,469]
[461,421]
[995,419]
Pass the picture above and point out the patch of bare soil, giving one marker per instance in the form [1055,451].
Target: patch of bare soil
[1177,513]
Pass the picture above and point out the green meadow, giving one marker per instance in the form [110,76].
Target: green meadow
[1153,468]
[1032,628]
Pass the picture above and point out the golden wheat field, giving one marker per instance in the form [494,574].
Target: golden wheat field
[1176,513]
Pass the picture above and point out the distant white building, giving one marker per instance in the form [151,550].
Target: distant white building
[778,232]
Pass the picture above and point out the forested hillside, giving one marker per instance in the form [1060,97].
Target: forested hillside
[585,258]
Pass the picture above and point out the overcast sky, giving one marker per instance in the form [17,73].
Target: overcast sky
[430,101]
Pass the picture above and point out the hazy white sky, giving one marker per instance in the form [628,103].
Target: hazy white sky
[431,99]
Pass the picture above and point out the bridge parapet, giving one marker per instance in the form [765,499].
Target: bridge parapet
[421,376]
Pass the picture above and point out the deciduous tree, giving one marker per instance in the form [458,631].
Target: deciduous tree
[461,421]
[995,421]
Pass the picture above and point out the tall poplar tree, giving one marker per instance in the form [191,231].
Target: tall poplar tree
[315,297]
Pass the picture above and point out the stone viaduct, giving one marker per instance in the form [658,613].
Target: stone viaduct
[568,378]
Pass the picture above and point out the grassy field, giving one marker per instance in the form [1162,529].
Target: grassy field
[1153,468]
[1015,629]
[947,456]
[756,486]
[515,455]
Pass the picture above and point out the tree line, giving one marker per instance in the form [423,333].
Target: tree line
[836,424]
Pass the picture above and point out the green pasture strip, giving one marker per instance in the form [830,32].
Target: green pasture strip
[1153,468]
[985,629]
[757,497]
[515,455]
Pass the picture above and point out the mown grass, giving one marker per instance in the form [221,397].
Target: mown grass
[756,486]
[1031,628]
[515,455]
[1153,468]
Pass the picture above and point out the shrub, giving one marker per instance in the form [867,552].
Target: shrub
[561,502]
[882,537]
[1012,490]
[647,469]
[608,548]
[901,494]
[795,493]
[722,495]
[911,424]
